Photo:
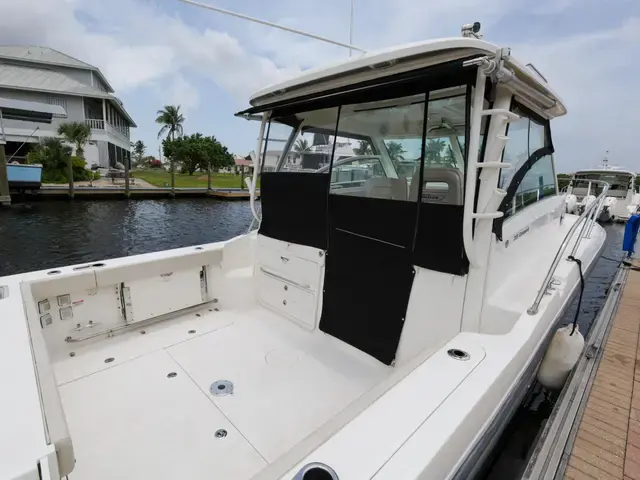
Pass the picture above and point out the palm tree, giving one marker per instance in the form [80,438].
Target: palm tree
[78,134]
[138,149]
[363,148]
[395,150]
[302,145]
[171,120]
[433,151]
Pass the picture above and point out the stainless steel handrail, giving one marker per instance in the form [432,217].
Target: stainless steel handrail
[588,216]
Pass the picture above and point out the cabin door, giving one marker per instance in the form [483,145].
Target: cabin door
[368,271]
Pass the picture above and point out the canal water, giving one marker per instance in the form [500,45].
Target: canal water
[41,235]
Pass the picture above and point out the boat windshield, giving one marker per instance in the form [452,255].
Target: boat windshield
[619,183]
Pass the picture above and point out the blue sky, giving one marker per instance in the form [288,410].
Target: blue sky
[166,52]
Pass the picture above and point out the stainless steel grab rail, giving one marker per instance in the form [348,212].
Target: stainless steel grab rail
[587,217]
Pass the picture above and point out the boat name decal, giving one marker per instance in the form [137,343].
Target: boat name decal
[520,233]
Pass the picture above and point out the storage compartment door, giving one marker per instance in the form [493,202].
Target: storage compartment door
[166,293]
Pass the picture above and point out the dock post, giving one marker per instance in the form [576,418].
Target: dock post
[127,162]
[173,178]
[5,197]
[208,178]
[70,176]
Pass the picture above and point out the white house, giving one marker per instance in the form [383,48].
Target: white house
[44,75]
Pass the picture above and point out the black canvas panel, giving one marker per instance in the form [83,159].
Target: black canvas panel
[439,245]
[366,292]
[294,207]
[391,221]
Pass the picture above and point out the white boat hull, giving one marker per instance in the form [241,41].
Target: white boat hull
[299,395]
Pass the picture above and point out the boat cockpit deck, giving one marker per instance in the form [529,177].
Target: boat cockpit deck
[146,404]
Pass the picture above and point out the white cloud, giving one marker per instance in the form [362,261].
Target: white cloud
[136,44]
[181,92]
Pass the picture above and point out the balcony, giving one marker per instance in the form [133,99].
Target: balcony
[121,131]
[95,124]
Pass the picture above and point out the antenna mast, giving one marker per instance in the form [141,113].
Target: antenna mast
[281,27]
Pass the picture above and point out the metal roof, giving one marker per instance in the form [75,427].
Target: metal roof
[41,54]
[46,55]
[31,106]
[42,80]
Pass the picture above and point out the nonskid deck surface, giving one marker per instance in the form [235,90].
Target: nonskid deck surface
[133,418]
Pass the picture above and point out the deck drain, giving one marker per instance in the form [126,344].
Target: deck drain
[316,471]
[142,332]
[221,388]
[172,375]
[192,332]
[109,360]
[211,310]
[72,354]
[197,314]
[458,354]
[221,433]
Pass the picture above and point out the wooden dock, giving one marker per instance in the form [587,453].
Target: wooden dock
[607,444]
[62,192]
[594,431]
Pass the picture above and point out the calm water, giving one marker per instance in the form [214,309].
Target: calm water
[42,235]
[39,235]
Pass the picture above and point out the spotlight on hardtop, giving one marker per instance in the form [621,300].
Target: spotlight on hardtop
[471,30]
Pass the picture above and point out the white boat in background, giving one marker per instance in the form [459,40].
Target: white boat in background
[387,330]
[622,200]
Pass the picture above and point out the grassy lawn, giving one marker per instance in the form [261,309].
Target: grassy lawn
[160,178]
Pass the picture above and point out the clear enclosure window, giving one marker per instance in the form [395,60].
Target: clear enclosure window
[379,146]
[516,151]
[526,136]
[385,138]
[312,146]
[444,153]
[538,183]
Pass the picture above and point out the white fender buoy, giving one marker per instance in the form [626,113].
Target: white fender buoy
[572,203]
[560,358]
[588,200]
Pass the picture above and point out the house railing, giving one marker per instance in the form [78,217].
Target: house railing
[121,131]
[95,123]
[586,221]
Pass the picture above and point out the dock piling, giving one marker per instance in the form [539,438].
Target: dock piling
[5,197]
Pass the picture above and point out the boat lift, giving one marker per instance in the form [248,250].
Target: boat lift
[11,109]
